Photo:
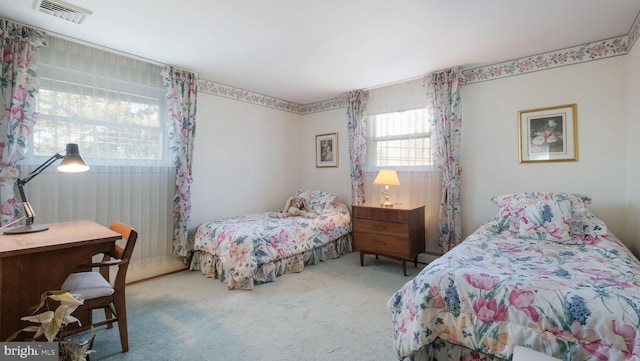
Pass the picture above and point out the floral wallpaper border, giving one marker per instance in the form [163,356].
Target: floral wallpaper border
[634,32]
[227,91]
[596,50]
[210,87]
[553,59]
[325,105]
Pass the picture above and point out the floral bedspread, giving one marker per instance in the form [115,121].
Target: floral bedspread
[495,291]
[240,245]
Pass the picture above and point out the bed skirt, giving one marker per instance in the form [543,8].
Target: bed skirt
[211,266]
[440,350]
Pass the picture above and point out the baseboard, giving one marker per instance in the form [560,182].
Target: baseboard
[157,276]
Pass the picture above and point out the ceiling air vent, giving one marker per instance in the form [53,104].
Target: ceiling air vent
[62,10]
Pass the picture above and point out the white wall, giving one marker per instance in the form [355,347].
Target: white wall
[632,131]
[249,158]
[490,140]
[336,180]
[246,158]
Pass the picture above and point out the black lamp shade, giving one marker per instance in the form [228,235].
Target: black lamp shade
[72,161]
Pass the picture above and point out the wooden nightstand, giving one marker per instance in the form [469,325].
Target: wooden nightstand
[391,232]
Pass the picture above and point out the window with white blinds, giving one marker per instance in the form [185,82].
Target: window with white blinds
[110,105]
[400,139]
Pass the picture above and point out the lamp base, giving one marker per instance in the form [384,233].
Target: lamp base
[386,203]
[27,229]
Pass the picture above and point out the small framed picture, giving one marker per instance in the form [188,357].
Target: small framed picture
[327,150]
[548,134]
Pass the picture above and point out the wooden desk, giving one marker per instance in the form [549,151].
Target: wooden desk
[33,263]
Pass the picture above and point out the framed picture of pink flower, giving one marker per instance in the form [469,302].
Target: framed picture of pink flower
[548,134]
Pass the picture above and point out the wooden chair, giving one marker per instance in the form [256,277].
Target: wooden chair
[97,291]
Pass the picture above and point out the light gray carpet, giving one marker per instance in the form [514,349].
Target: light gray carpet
[331,311]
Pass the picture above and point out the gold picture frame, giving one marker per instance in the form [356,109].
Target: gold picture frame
[327,150]
[548,134]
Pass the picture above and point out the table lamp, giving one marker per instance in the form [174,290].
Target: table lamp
[387,178]
[72,163]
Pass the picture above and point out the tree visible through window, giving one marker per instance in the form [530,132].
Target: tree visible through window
[110,105]
[115,128]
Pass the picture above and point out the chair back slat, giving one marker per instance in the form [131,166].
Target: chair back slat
[130,236]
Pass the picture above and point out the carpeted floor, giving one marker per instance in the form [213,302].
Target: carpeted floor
[331,311]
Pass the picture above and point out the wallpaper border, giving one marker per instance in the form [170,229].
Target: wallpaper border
[597,50]
[231,92]
[569,56]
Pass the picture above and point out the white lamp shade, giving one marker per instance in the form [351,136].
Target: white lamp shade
[387,177]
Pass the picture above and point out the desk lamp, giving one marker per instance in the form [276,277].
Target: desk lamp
[387,178]
[72,163]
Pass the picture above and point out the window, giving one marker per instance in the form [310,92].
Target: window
[110,105]
[108,128]
[400,139]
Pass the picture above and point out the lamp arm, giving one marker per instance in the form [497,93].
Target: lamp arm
[28,210]
[40,168]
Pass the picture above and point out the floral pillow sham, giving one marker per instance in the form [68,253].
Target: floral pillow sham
[318,200]
[545,220]
[517,212]
[588,226]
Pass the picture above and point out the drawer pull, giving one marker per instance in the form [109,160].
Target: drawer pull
[378,227]
[381,242]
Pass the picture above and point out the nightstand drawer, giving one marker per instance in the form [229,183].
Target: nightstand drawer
[381,244]
[382,227]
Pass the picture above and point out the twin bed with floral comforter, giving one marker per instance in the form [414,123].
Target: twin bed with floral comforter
[545,273]
[252,249]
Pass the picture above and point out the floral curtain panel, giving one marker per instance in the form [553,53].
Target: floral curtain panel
[444,106]
[181,110]
[356,110]
[18,88]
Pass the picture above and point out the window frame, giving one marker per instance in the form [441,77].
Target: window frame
[138,94]
[373,140]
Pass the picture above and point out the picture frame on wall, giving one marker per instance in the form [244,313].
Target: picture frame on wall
[327,150]
[548,134]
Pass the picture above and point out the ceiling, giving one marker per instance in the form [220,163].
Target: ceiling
[305,51]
